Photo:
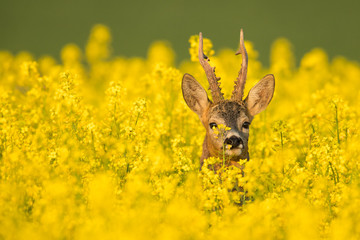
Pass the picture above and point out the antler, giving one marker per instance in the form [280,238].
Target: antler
[238,92]
[210,73]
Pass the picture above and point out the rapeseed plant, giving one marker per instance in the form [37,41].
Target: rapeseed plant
[104,147]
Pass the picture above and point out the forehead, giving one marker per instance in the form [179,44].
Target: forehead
[228,110]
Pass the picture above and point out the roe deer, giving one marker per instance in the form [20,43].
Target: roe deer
[235,113]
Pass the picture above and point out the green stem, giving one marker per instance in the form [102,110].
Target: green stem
[335,176]
[337,124]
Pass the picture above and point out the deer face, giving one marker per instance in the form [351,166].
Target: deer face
[237,115]
[232,142]
[234,113]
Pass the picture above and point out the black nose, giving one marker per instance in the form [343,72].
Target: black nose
[233,141]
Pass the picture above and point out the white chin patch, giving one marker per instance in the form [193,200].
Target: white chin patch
[233,152]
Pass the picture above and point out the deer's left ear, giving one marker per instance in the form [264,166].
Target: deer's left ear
[260,95]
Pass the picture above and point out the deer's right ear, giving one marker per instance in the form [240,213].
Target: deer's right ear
[194,94]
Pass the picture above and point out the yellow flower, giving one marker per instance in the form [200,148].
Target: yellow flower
[98,46]
[194,48]
[111,149]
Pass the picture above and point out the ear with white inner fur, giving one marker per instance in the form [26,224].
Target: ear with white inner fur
[194,94]
[260,95]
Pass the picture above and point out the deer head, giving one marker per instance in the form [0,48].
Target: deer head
[235,113]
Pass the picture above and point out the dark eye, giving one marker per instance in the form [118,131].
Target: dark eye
[246,125]
[213,125]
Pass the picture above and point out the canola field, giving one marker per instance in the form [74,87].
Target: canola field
[99,146]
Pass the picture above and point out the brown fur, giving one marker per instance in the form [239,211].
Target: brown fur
[235,113]
[231,113]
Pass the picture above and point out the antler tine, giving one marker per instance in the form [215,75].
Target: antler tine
[210,73]
[238,92]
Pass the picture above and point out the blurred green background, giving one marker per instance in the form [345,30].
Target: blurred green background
[45,26]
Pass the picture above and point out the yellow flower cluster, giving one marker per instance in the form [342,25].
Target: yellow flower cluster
[104,147]
[194,48]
